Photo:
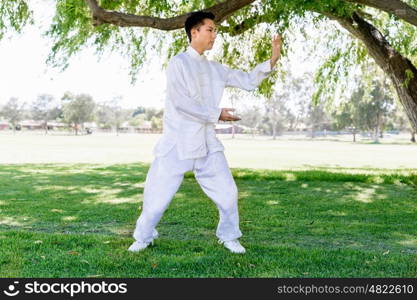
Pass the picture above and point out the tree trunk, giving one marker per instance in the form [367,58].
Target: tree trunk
[413,137]
[381,127]
[376,134]
[376,137]
[401,71]
[354,135]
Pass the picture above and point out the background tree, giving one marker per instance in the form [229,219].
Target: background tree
[13,112]
[112,114]
[138,111]
[137,121]
[152,112]
[103,116]
[401,122]
[78,109]
[289,104]
[251,117]
[347,116]
[156,123]
[300,96]
[317,118]
[45,109]
[381,106]
[368,109]
[277,112]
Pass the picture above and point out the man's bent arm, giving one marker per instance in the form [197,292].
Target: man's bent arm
[251,80]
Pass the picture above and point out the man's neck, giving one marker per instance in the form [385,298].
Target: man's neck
[198,49]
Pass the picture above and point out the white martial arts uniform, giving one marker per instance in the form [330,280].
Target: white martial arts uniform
[194,89]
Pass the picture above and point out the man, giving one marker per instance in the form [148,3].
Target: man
[194,90]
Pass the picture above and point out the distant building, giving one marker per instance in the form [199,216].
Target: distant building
[31,124]
[91,125]
[125,127]
[145,127]
[4,125]
[56,125]
[228,128]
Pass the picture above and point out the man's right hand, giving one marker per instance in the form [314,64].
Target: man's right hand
[226,116]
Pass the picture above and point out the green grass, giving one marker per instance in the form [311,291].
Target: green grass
[76,220]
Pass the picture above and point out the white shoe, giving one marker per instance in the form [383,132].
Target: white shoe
[138,246]
[234,246]
[155,234]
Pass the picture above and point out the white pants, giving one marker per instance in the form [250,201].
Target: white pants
[163,180]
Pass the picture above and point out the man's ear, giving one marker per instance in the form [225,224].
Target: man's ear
[193,31]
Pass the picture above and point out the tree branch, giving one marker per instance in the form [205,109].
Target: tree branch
[100,15]
[244,25]
[395,7]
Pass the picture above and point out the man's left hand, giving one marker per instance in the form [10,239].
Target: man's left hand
[276,49]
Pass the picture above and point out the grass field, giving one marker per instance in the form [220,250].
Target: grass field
[309,218]
[242,152]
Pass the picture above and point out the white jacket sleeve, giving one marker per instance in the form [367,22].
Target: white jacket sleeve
[183,103]
[248,80]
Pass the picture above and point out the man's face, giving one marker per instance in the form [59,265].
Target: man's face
[205,35]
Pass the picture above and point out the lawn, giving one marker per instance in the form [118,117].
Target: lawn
[76,220]
[287,152]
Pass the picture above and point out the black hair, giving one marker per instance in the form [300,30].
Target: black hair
[196,19]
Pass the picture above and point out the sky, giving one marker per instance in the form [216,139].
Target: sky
[25,75]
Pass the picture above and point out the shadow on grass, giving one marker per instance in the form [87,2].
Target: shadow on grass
[328,209]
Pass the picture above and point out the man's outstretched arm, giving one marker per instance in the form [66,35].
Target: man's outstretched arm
[251,80]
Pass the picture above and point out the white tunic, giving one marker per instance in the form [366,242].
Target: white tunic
[194,90]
